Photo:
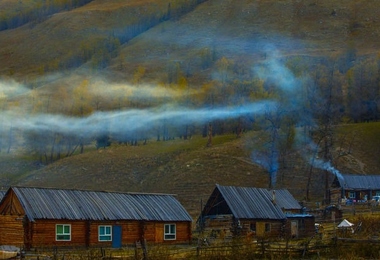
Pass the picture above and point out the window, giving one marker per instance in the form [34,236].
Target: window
[267,227]
[252,227]
[351,194]
[169,232]
[105,233]
[63,232]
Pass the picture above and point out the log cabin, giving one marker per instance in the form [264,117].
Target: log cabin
[254,212]
[353,188]
[46,217]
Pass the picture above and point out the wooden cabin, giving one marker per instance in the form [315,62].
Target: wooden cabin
[353,188]
[256,212]
[45,217]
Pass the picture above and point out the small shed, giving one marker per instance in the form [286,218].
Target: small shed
[255,212]
[46,217]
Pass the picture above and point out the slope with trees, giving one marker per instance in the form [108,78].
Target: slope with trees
[131,73]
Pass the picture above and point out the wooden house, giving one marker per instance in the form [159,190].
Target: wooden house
[354,188]
[256,212]
[45,217]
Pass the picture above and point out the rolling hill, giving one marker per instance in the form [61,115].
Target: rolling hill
[108,41]
[190,169]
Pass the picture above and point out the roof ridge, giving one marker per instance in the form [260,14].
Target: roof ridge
[90,190]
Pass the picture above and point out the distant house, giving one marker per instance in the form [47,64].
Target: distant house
[353,187]
[36,217]
[257,212]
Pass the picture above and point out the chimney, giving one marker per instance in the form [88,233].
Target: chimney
[274,197]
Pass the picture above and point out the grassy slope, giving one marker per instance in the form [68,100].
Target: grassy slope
[242,31]
[28,48]
[233,28]
[189,169]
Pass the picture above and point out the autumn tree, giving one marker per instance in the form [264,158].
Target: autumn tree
[138,75]
[186,101]
[82,107]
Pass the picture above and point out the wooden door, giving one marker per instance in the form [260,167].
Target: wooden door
[116,236]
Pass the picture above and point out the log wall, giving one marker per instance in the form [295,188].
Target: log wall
[42,233]
[11,230]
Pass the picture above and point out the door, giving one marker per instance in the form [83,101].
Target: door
[260,228]
[294,228]
[116,236]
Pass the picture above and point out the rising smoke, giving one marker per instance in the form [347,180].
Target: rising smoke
[129,121]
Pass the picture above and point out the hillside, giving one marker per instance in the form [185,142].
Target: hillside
[190,169]
[240,30]
[250,30]
[121,56]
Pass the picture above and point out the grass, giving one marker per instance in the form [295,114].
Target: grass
[363,139]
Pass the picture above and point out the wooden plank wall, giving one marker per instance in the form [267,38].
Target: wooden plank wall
[130,232]
[44,233]
[307,230]
[276,228]
[11,230]
[84,233]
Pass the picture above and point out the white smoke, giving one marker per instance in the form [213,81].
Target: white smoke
[129,120]
[323,165]
[10,88]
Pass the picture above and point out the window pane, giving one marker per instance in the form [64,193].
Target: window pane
[105,238]
[63,237]
[172,229]
[66,229]
[169,236]
[107,230]
[59,229]
[167,227]
[101,230]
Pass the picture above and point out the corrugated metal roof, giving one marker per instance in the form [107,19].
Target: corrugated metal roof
[44,203]
[360,182]
[285,200]
[251,203]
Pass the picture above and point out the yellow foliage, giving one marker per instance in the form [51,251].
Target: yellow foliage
[139,74]
[82,99]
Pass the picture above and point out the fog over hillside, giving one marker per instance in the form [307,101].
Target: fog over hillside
[105,73]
